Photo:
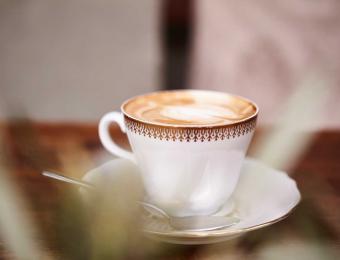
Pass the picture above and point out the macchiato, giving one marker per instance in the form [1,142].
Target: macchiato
[188,144]
[189,107]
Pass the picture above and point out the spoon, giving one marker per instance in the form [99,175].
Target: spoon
[190,223]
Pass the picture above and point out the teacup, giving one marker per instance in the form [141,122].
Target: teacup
[188,144]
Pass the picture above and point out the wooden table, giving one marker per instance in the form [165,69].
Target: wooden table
[313,230]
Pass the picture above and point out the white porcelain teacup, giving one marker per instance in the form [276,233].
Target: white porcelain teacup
[187,168]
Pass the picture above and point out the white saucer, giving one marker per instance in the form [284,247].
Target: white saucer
[262,197]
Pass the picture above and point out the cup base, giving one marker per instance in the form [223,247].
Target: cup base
[226,209]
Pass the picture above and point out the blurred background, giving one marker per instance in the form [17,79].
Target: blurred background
[75,60]
[65,63]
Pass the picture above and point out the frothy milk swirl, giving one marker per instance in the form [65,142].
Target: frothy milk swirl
[198,113]
[189,107]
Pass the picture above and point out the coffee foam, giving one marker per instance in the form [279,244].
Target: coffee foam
[189,107]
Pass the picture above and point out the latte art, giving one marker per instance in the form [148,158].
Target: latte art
[196,113]
[189,107]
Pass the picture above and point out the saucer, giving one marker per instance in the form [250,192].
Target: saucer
[263,196]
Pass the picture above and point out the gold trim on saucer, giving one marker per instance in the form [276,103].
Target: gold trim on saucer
[190,134]
[216,233]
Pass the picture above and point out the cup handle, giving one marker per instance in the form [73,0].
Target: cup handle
[105,138]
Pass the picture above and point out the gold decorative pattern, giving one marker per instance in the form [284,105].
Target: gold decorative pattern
[190,134]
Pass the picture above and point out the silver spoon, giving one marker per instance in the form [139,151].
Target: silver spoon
[190,223]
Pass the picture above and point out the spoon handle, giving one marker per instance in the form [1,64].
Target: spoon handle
[70,180]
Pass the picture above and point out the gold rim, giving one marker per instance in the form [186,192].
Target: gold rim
[219,233]
[253,116]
